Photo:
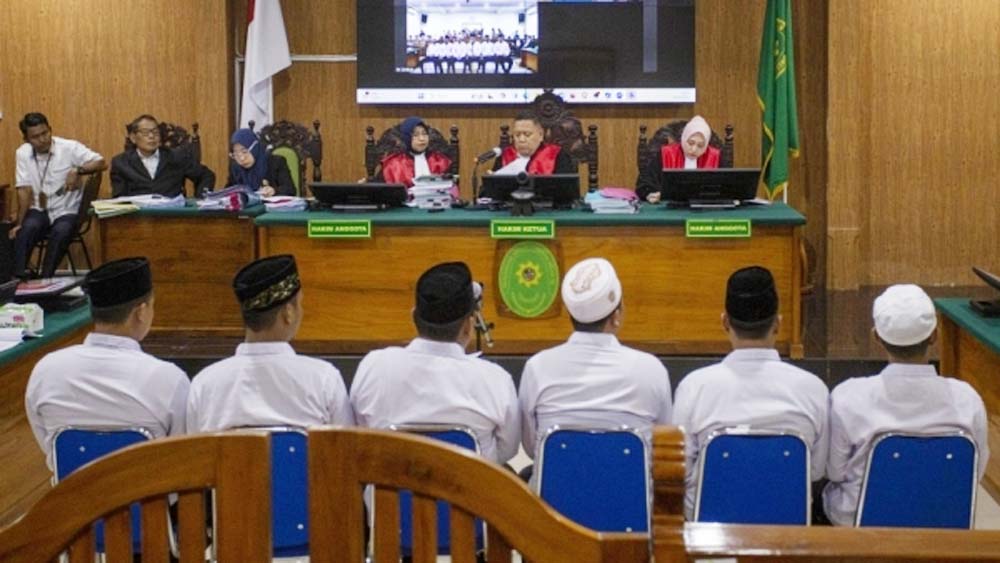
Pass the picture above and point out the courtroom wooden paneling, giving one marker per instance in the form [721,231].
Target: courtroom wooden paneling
[914,125]
[359,293]
[24,477]
[193,260]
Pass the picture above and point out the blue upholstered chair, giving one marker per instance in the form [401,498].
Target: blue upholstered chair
[746,477]
[920,481]
[74,447]
[460,436]
[597,478]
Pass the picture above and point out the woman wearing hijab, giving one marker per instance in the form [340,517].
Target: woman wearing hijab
[413,159]
[253,166]
[692,152]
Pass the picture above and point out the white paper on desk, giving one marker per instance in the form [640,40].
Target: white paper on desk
[14,335]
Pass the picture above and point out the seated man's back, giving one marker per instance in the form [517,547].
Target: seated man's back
[592,380]
[433,380]
[751,387]
[907,396]
[266,383]
[108,380]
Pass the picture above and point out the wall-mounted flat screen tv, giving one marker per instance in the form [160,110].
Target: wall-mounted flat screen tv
[508,51]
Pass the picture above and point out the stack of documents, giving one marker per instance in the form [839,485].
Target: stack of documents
[613,200]
[128,204]
[284,203]
[431,193]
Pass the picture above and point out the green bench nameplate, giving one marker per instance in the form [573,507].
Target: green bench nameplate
[717,228]
[340,228]
[523,228]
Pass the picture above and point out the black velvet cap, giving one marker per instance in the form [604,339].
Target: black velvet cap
[118,281]
[266,283]
[445,294]
[750,296]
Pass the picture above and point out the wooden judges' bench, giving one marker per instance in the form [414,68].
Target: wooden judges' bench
[359,292]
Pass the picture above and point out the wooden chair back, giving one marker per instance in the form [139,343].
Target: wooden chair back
[674,541]
[649,148]
[564,129]
[307,145]
[393,461]
[235,465]
[391,141]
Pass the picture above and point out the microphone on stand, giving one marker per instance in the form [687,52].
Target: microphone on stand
[482,327]
[488,155]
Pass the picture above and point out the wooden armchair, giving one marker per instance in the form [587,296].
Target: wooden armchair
[671,133]
[565,130]
[174,137]
[236,466]
[296,144]
[391,141]
[515,517]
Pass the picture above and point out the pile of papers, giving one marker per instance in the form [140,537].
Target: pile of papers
[284,203]
[128,204]
[613,200]
[431,193]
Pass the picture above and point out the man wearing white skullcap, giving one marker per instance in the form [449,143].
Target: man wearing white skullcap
[592,380]
[907,396]
[751,387]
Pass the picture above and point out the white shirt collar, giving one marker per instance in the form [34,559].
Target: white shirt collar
[603,339]
[265,349]
[105,340]
[436,348]
[909,370]
[752,355]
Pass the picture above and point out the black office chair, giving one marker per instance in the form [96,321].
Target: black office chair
[83,220]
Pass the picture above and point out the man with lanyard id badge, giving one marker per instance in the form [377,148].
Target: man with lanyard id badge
[48,179]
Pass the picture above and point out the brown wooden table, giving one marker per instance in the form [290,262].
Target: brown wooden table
[193,256]
[970,350]
[358,293]
[24,477]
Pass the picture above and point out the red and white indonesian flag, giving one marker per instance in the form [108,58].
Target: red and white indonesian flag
[266,55]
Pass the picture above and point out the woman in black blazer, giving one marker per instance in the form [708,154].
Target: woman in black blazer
[253,166]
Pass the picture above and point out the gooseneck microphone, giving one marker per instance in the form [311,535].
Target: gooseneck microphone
[488,155]
[482,327]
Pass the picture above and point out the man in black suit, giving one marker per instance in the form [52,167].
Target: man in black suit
[153,169]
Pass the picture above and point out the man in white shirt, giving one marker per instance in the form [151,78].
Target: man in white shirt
[266,383]
[907,396]
[432,380]
[48,180]
[108,380]
[751,388]
[592,380]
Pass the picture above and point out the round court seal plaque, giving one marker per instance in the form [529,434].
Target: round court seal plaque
[528,279]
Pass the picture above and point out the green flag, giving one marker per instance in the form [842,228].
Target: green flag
[776,94]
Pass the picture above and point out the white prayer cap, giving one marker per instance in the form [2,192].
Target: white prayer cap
[591,290]
[904,315]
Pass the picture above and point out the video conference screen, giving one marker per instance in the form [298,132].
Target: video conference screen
[508,51]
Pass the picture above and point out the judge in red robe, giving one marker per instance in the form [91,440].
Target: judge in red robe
[692,152]
[403,166]
[529,153]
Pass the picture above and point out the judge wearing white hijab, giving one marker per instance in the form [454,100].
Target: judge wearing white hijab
[692,152]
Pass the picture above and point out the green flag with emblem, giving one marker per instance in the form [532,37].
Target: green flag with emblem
[776,95]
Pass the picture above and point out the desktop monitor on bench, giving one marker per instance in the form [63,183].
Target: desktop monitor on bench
[708,187]
[359,196]
[561,190]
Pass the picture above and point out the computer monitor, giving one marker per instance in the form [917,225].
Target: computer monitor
[708,187]
[560,190]
[987,308]
[359,196]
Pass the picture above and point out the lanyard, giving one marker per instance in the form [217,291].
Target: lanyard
[42,196]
